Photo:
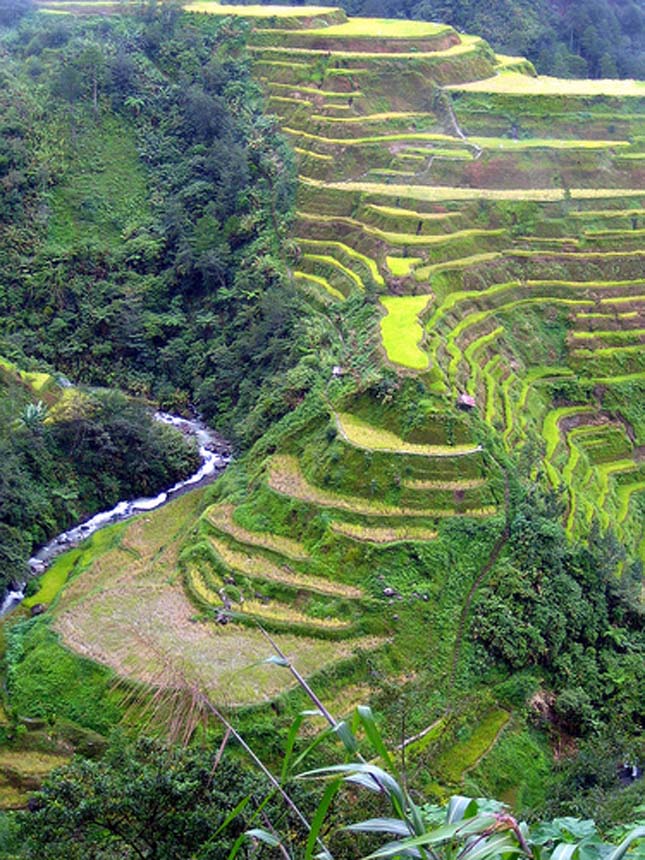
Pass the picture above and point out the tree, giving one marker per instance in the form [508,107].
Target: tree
[121,77]
[148,801]
[67,84]
[608,66]
[14,546]
[91,65]
[12,10]
[142,800]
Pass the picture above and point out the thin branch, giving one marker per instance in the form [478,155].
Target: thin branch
[296,674]
[282,848]
[274,782]
[184,691]
[220,752]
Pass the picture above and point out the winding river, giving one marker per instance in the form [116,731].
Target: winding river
[215,456]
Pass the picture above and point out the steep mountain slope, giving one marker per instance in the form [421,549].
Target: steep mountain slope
[470,239]
[143,202]
[571,38]
[423,176]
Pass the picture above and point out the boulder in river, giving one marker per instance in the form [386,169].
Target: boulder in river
[37,566]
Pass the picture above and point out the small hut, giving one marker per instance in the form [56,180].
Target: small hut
[466,402]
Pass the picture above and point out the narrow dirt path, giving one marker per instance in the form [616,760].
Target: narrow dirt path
[446,100]
[486,569]
[406,743]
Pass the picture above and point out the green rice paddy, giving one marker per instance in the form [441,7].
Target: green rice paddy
[382,28]
[402,332]
[446,193]
[260,12]
[512,83]
[401,266]
[363,435]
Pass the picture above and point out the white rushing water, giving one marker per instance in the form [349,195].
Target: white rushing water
[213,461]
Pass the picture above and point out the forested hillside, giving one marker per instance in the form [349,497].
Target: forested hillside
[125,202]
[66,453]
[145,199]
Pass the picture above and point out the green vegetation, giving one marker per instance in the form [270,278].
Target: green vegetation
[286,478]
[67,453]
[305,277]
[250,11]
[454,534]
[502,242]
[399,328]
[601,40]
[441,194]
[467,45]
[547,143]
[382,28]
[401,266]
[361,434]
[54,579]
[468,752]
[142,800]
[354,257]
[511,82]
[383,535]
[149,801]
[223,518]
[148,204]
[107,191]
[46,681]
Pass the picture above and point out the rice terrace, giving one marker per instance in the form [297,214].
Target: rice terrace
[468,241]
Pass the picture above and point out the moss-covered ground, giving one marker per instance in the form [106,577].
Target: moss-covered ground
[104,187]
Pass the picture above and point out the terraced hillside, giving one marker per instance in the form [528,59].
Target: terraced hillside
[472,236]
[497,220]
[509,266]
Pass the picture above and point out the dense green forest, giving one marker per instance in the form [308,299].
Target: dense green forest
[67,453]
[105,124]
[144,200]
[575,38]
